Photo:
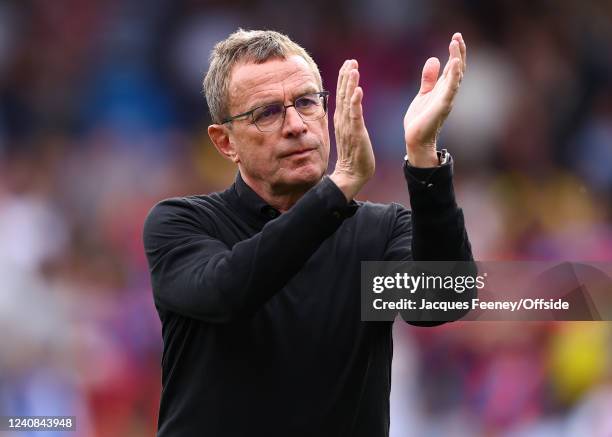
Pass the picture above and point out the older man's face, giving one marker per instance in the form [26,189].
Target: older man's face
[293,156]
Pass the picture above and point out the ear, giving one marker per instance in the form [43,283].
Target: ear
[219,135]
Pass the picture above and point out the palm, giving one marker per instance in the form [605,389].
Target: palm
[424,117]
[433,103]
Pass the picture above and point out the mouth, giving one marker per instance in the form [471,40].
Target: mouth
[299,152]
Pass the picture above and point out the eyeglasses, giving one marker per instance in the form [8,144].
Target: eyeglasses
[268,118]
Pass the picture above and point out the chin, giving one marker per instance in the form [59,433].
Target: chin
[306,176]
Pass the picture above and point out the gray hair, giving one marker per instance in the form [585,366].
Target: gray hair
[257,46]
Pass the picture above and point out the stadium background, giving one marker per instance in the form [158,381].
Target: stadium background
[101,115]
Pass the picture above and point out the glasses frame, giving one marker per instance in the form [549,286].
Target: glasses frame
[324,94]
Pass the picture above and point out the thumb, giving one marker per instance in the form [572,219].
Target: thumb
[429,77]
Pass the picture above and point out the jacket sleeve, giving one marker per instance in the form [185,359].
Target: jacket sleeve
[438,226]
[434,229]
[195,274]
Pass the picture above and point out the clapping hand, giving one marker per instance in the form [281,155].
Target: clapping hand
[355,164]
[429,109]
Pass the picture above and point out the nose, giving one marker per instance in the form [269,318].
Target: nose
[293,124]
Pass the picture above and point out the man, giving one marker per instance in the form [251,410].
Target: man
[257,287]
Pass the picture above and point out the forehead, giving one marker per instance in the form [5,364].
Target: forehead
[273,80]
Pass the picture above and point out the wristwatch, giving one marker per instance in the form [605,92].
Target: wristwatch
[443,157]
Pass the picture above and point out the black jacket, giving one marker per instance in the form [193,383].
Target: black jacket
[260,311]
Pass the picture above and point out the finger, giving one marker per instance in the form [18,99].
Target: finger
[453,53]
[356,109]
[429,77]
[351,84]
[452,83]
[463,50]
[347,92]
[339,87]
[343,95]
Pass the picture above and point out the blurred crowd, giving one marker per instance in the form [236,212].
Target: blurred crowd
[102,115]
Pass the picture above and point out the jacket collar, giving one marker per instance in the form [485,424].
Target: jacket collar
[256,210]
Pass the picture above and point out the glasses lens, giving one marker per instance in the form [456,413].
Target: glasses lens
[268,117]
[311,106]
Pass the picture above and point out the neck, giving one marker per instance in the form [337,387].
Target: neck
[281,198]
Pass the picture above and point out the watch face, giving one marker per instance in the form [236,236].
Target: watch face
[443,156]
